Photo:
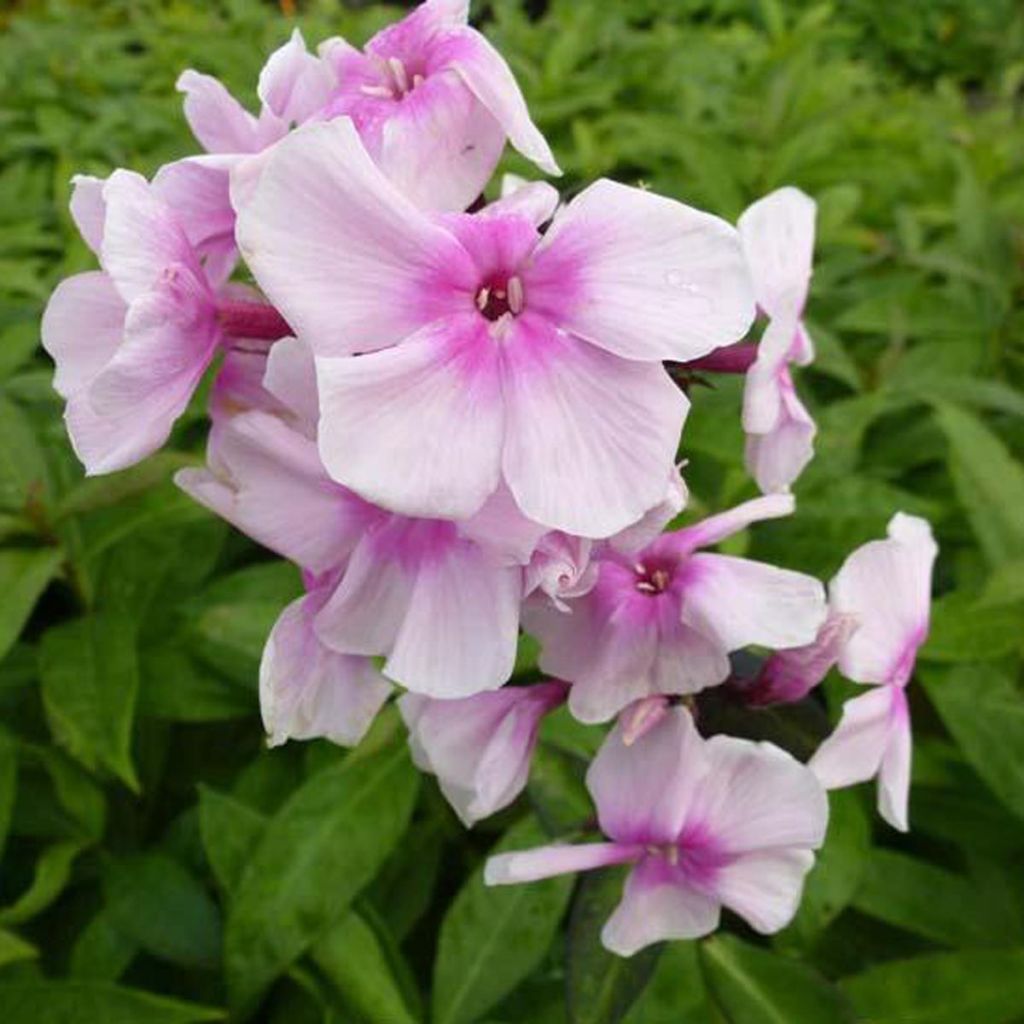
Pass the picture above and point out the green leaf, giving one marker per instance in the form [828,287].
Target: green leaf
[557,790]
[14,948]
[234,616]
[158,904]
[24,576]
[964,629]
[8,784]
[53,869]
[989,483]
[602,986]
[84,1002]
[930,901]
[945,988]
[676,993]
[175,686]
[983,711]
[230,831]
[492,937]
[23,472]
[360,965]
[323,846]
[102,952]
[754,986]
[837,871]
[90,679]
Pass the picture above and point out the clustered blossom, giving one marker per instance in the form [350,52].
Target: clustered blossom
[455,418]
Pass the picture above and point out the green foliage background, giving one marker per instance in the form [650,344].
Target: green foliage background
[160,865]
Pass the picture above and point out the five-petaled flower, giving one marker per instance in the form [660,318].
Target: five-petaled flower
[705,824]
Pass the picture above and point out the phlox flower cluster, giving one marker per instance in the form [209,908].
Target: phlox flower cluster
[460,419]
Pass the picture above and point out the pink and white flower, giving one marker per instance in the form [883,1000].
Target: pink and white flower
[778,241]
[307,690]
[132,341]
[705,824]
[479,747]
[662,620]
[885,587]
[434,103]
[487,352]
[435,597]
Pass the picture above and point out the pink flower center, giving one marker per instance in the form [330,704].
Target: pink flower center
[396,79]
[500,298]
[652,578]
[695,854]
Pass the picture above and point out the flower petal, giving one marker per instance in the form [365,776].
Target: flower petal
[345,257]
[886,584]
[218,121]
[658,904]
[88,210]
[590,437]
[642,276]
[366,610]
[764,887]
[440,146]
[716,528]
[197,189]
[83,325]
[894,771]
[778,242]
[128,410]
[417,428]
[291,378]
[294,84]
[854,751]
[643,790]
[308,691]
[460,630]
[142,237]
[489,78]
[278,493]
[775,459]
[740,602]
[547,861]
[755,796]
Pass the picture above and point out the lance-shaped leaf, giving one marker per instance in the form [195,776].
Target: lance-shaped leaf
[90,680]
[323,846]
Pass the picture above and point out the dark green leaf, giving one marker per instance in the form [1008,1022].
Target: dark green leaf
[23,578]
[90,678]
[989,482]
[83,1002]
[930,901]
[53,869]
[947,988]
[360,967]
[754,986]
[676,993]
[602,986]
[492,937]
[230,831]
[983,711]
[102,952]
[13,948]
[8,782]
[339,826]
[157,903]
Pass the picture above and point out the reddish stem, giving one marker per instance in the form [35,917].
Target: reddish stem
[256,320]
[731,359]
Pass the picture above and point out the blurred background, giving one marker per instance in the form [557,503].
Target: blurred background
[134,780]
